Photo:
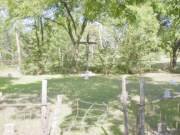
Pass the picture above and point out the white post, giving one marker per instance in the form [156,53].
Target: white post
[9,129]
[1,96]
[56,118]
[124,98]
[44,109]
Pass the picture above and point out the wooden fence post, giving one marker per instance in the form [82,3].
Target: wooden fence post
[9,129]
[56,119]
[44,109]
[178,108]
[124,99]
[141,109]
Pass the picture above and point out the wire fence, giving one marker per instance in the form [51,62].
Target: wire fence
[85,115]
[24,119]
[44,118]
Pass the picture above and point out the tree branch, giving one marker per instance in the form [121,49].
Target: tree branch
[82,30]
[70,15]
[42,30]
[58,23]
[70,32]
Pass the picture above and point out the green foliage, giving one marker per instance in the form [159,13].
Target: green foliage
[140,42]
[169,34]
[25,8]
[6,42]
[56,43]
[93,8]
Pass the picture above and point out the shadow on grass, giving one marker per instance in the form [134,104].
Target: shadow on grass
[96,89]
[103,89]
[5,82]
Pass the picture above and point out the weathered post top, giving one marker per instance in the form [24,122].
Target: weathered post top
[44,92]
[142,94]
[124,93]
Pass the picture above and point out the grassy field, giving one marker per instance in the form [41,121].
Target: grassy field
[102,90]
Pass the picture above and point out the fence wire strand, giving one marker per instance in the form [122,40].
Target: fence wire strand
[85,115]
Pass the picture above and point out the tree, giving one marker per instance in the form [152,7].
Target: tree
[168,13]
[6,43]
[36,45]
[140,41]
[73,16]
[36,38]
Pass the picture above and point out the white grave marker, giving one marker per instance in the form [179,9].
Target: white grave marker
[9,129]
[173,82]
[87,74]
[167,94]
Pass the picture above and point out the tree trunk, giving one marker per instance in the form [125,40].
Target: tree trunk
[18,51]
[39,32]
[173,60]
[174,55]
[76,59]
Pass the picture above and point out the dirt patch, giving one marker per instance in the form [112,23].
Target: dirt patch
[164,77]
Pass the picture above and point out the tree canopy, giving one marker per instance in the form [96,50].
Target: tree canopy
[112,35]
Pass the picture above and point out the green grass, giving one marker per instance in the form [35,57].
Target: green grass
[104,89]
